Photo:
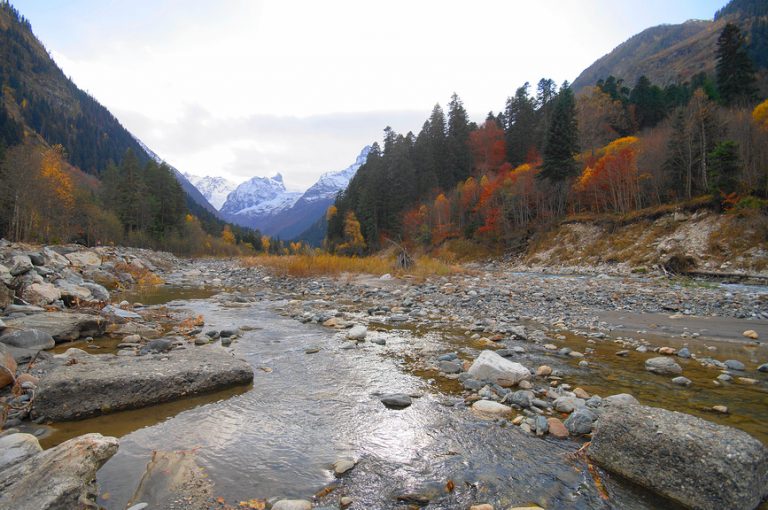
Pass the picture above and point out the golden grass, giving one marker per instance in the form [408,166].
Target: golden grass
[327,264]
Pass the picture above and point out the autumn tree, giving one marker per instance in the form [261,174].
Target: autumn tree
[613,182]
[227,236]
[354,243]
[598,116]
[487,145]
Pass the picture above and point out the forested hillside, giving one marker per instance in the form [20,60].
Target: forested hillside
[70,172]
[614,148]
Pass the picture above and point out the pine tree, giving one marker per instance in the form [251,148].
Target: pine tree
[724,167]
[562,139]
[459,154]
[520,131]
[735,71]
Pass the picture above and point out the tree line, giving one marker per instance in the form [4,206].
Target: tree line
[609,149]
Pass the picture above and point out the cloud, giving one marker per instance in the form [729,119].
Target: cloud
[301,148]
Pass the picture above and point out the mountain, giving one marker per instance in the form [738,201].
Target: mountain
[214,189]
[264,203]
[292,222]
[675,53]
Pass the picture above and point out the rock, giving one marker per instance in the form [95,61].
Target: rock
[357,333]
[556,428]
[7,367]
[100,384]
[747,380]
[681,381]
[71,291]
[119,312]
[543,371]
[20,264]
[160,345]
[689,460]
[568,404]
[29,339]
[734,364]
[684,353]
[620,399]
[226,333]
[491,367]
[396,400]
[345,501]
[763,368]
[720,409]
[41,294]
[521,398]
[580,422]
[72,352]
[62,477]
[450,367]
[341,466]
[84,259]
[98,292]
[134,328]
[581,393]
[202,340]
[292,504]
[667,350]
[542,425]
[15,448]
[525,385]
[663,366]
[491,407]
[62,326]
[750,333]
[484,506]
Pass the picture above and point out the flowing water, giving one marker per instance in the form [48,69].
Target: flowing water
[280,437]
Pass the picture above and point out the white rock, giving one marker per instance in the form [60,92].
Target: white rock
[491,407]
[41,294]
[84,259]
[357,333]
[292,504]
[489,366]
[15,448]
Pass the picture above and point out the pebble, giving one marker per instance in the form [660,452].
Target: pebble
[720,409]
[734,364]
[543,371]
[684,353]
[357,333]
[396,400]
[483,506]
[341,466]
[556,428]
[751,333]
[681,381]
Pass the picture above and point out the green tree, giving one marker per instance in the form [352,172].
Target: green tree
[459,154]
[562,139]
[648,101]
[724,167]
[520,131]
[735,72]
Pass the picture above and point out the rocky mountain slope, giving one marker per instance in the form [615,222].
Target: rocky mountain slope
[671,53]
[214,189]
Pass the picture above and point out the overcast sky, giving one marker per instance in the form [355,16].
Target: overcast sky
[240,88]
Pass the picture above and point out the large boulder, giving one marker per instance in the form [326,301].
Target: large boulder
[20,264]
[84,259]
[41,294]
[29,339]
[663,365]
[60,478]
[15,448]
[489,366]
[692,461]
[106,383]
[74,291]
[62,326]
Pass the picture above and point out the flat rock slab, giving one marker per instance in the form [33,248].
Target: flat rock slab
[106,383]
[692,461]
[58,478]
[61,326]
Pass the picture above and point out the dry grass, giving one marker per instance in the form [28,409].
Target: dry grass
[326,264]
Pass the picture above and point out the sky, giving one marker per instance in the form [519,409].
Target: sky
[244,88]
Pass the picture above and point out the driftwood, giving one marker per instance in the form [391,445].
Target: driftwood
[403,259]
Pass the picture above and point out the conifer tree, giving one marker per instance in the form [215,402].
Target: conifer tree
[520,116]
[459,154]
[735,72]
[562,139]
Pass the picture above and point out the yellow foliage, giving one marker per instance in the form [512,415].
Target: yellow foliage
[760,114]
[189,218]
[331,212]
[227,236]
[265,243]
[619,144]
[353,237]
[52,170]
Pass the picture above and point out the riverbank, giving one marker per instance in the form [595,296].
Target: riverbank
[578,337]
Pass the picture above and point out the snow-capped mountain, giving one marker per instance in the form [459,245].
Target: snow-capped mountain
[330,183]
[214,189]
[253,201]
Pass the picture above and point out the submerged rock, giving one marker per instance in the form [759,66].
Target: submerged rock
[62,477]
[692,461]
[396,400]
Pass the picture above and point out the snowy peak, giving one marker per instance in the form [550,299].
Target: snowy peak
[258,196]
[214,189]
[330,183]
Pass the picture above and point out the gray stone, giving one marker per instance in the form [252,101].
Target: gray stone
[734,364]
[689,460]
[663,365]
[472,384]
[763,367]
[62,477]
[568,404]
[40,294]
[62,326]
[160,345]
[396,400]
[580,422]
[620,399]
[341,466]
[119,312]
[542,425]
[98,292]
[491,367]
[681,381]
[684,353]
[29,339]
[450,367]
[522,398]
[101,384]
[84,259]
[20,264]
[15,448]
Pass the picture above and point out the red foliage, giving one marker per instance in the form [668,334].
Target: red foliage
[487,146]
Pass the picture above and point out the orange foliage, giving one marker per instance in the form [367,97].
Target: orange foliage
[760,114]
[613,181]
[487,146]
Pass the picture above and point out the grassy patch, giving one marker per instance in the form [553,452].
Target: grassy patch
[326,264]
